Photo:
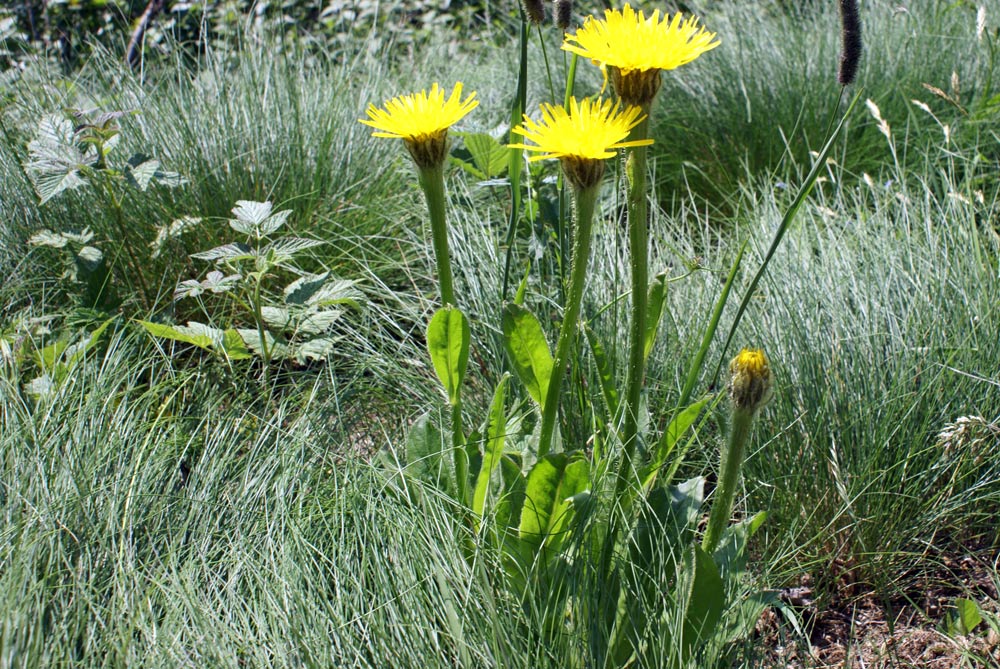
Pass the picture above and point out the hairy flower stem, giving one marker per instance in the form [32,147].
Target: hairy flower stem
[729,475]
[432,182]
[638,239]
[586,199]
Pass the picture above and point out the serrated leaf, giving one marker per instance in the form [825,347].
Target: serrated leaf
[300,291]
[249,215]
[140,174]
[163,331]
[525,343]
[227,252]
[54,158]
[283,249]
[217,282]
[188,288]
[48,238]
[341,291]
[233,345]
[315,349]
[278,350]
[276,317]
[90,257]
[176,228]
[489,155]
[315,322]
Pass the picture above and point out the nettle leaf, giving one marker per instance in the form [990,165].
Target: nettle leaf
[54,158]
[217,282]
[315,322]
[48,238]
[278,350]
[227,252]
[300,291]
[249,215]
[173,231]
[282,250]
[139,174]
[255,218]
[188,288]
[317,291]
[90,257]
[276,317]
[315,349]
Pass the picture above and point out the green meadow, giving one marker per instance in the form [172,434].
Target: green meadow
[240,426]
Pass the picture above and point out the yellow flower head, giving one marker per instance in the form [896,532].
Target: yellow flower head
[589,130]
[629,41]
[421,120]
[586,134]
[750,385]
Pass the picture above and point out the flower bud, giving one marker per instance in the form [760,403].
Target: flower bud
[750,385]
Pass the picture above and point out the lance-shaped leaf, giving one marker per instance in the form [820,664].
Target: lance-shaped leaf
[496,436]
[528,350]
[703,601]
[448,344]
[654,311]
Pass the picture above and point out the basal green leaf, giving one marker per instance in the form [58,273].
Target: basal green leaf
[704,601]
[426,450]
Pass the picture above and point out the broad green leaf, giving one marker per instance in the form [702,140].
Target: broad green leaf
[573,490]
[704,601]
[654,311]
[969,616]
[340,291]
[448,344]
[666,524]
[233,345]
[550,483]
[426,449]
[730,555]
[49,355]
[525,343]
[496,436]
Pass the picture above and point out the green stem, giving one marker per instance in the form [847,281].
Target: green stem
[135,268]
[729,475]
[265,352]
[432,183]
[586,199]
[461,458]
[638,239]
